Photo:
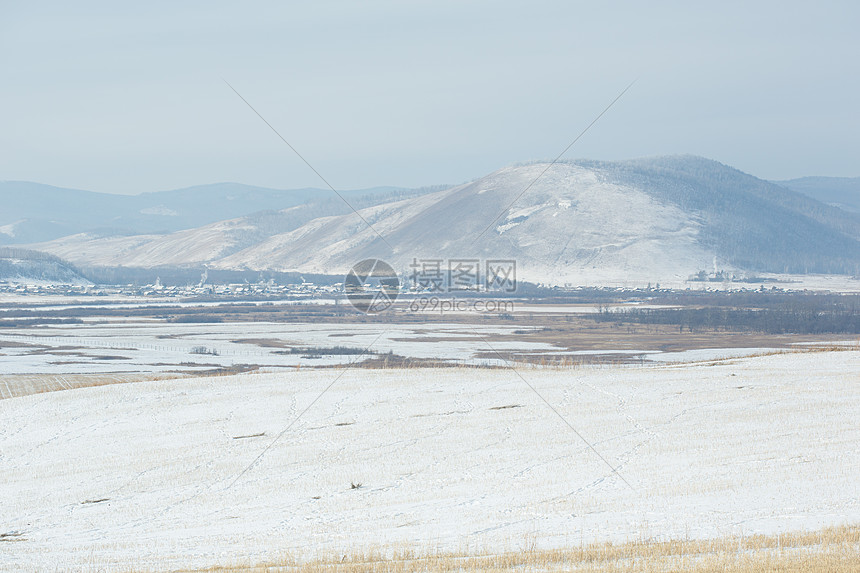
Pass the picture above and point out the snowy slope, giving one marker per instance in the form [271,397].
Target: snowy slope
[141,476]
[199,245]
[571,224]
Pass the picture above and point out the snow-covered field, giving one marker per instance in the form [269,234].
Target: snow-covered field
[152,475]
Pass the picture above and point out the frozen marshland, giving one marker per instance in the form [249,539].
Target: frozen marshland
[162,474]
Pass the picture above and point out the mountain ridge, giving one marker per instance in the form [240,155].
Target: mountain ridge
[647,219]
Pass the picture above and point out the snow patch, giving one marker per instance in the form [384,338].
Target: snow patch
[9,229]
[159,210]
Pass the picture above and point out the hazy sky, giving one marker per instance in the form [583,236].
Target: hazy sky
[128,97]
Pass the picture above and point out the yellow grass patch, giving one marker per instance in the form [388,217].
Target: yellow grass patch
[834,549]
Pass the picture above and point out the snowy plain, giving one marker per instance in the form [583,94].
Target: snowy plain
[162,474]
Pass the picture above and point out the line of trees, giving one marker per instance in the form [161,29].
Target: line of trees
[810,315]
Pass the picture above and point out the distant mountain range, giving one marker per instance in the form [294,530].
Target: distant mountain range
[582,222]
[842,192]
[33,212]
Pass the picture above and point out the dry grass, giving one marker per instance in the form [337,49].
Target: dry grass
[17,385]
[835,549]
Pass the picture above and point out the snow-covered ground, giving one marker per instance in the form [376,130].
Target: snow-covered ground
[161,474]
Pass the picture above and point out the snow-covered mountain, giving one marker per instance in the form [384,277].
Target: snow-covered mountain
[588,222]
[572,223]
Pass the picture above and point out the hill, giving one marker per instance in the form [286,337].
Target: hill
[34,267]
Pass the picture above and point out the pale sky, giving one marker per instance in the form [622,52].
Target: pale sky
[128,97]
